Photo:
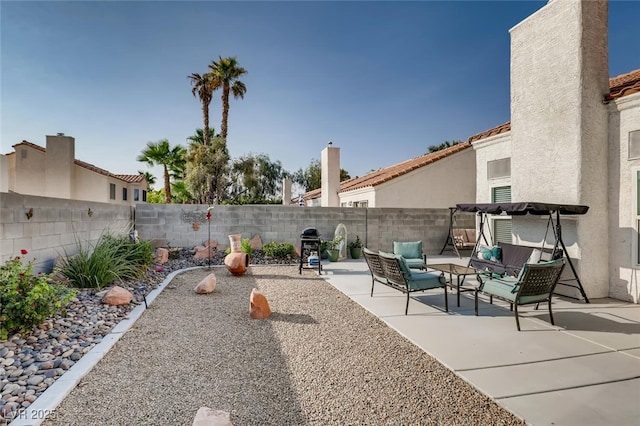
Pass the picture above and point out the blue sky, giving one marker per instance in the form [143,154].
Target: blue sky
[382,80]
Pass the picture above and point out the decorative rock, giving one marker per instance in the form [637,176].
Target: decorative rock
[203,252]
[211,243]
[209,417]
[237,262]
[162,255]
[207,285]
[117,296]
[258,305]
[256,242]
[35,380]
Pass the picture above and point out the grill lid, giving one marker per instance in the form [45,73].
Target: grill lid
[310,233]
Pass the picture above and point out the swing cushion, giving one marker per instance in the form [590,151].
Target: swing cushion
[513,258]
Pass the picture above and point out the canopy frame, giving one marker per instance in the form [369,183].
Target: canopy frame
[534,208]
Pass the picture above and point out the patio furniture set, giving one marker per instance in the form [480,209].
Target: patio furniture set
[510,277]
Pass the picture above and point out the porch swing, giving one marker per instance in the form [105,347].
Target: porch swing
[539,209]
[458,238]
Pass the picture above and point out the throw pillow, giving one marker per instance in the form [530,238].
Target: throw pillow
[485,252]
[535,256]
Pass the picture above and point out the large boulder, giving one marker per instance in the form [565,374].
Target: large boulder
[256,242]
[204,252]
[207,285]
[209,417]
[162,255]
[117,296]
[258,305]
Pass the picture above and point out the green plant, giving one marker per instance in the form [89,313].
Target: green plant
[323,246]
[279,250]
[245,247]
[356,243]
[111,258]
[26,300]
[335,243]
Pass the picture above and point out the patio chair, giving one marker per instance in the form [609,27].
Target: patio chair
[412,253]
[534,285]
[402,278]
[375,267]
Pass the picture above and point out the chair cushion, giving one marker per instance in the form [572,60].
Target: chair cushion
[414,263]
[406,271]
[408,250]
[502,287]
[425,280]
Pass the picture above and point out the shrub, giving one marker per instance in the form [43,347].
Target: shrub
[279,250]
[26,300]
[112,258]
[245,247]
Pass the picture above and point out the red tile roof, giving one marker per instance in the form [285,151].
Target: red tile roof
[625,84]
[386,174]
[126,178]
[503,128]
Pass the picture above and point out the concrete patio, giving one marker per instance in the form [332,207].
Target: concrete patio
[585,370]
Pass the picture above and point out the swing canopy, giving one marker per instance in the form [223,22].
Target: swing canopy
[522,208]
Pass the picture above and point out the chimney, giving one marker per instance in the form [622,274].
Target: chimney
[286,191]
[59,166]
[330,176]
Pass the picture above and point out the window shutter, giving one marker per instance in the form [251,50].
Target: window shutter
[634,144]
[502,231]
[499,168]
[501,194]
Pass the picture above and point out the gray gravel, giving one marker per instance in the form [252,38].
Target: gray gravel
[319,359]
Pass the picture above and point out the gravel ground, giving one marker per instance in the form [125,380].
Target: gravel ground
[319,359]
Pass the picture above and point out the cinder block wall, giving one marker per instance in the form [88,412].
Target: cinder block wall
[173,225]
[55,226]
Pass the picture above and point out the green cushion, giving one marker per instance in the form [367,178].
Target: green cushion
[408,250]
[414,263]
[501,288]
[406,271]
[425,280]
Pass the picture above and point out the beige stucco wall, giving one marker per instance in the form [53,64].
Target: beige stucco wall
[559,74]
[624,117]
[442,184]
[91,186]
[4,173]
[29,172]
[59,166]
[330,175]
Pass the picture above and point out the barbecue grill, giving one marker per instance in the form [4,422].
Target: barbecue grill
[309,241]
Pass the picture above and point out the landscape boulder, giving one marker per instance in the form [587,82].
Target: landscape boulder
[117,296]
[162,255]
[204,252]
[209,417]
[256,242]
[258,305]
[207,285]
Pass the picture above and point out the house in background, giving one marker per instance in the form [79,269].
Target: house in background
[54,172]
[573,138]
[439,179]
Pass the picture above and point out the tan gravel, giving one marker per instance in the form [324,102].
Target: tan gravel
[320,359]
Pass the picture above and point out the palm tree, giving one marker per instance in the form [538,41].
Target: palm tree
[161,154]
[225,73]
[204,87]
[151,179]
[198,137]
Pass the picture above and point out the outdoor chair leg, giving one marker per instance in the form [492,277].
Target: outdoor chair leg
[537,306]
[446,299]
[551,313]
[511,307]
[373,282]
[517,319]
[476,294]
[406,309]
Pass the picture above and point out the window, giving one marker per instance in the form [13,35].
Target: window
[136,194]
[499,168]
[112,191]
[501,224]
[124,194]
[144,196]
[634,144]
[361,204]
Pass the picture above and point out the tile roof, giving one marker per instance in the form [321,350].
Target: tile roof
[624,84]
[386,174]
[503,128]
[126,178]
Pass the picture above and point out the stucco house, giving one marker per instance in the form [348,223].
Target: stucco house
[573,138]
[54,172]
[403,184]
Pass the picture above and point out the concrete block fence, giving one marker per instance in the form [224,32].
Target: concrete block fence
[173,225]
[51,227]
